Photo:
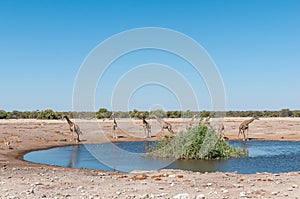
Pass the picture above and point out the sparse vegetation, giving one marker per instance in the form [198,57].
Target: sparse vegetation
[104,113]
[200,142]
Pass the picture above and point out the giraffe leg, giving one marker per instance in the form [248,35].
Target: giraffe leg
[78,139]
[245,135]
[247,138]
[116,136]
[72,134]
[242,133]
[77,133]
[145,133]
[149,131]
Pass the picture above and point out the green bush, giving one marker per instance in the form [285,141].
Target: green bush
[48,115]
[200,142]
[103,113]
[3,114]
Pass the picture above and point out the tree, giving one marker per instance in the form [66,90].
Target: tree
[205,114]
[49,115]
[285,113]
[134,113]
[103,113]
[3,114]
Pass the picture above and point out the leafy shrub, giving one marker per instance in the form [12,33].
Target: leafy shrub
[3,114]
[200,142]
[103,113]
[48,115]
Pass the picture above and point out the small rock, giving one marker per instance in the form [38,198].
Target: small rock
[79,188]
[37,183]
[243,194]
[225,191]
[238,185]
[274,193]
[295,186]
[290,189]
[200,196]
[31,191]
[161,195]
[182,196]
[209,184]
[144,196]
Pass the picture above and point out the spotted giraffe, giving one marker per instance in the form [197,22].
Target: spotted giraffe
[73,127]
[115,126]
[164,125]
[244,126]
[7,143]
[146,126]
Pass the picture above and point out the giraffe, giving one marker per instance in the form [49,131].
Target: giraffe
[115,125]
[245,126]
[73,127]
[189,124]
[15,138]
[221,130]
[6,143]
[164,125]
[146,126]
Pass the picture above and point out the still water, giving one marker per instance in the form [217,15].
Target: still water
[264,156]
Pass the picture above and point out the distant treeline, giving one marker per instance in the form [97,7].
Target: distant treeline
[104,113]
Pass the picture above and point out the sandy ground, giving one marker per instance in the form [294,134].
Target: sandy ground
[21,179]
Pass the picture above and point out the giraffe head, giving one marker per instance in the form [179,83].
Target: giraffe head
[142,115]
[256,117]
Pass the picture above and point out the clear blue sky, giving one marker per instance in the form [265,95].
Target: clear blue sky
[254,43]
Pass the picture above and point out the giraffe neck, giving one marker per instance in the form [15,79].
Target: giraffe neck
[144,121]
[251,120]
[68,120]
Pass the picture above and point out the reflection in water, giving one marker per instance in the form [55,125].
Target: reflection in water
[74,157]
[264,156]
[198,165]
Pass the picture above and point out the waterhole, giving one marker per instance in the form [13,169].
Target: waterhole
[264,156]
